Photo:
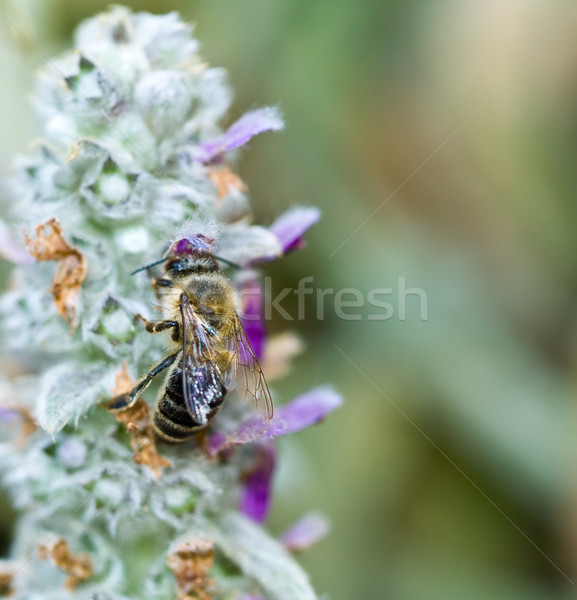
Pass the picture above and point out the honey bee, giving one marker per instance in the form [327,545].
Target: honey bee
[209,348]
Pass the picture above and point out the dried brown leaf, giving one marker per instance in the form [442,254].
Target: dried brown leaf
[224,180]
[190,563]
[6,580]
[123,382]
[136,419]
[77,566]
[70,272]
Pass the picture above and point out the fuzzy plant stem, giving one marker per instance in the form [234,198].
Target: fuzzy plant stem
[135,166]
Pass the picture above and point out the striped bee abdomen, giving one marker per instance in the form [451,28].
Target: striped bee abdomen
[172,421]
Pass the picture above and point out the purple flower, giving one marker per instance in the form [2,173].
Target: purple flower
[304,411]
[255,499]
[291,226]
[8,414]
[72,452]
[251,301]
[305,533]
[240,132]
[10,250]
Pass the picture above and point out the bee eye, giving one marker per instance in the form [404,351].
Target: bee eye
[162,283]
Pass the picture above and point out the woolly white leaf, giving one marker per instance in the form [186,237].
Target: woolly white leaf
[214,100]
[83,167]
[68,391]
[262,558]
[164,98]
[244,245]
[165,39]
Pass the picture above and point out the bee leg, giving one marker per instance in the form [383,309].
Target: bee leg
[129,398]
[158,326]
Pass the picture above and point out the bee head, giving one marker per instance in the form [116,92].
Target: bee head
[192,254]
[191,264]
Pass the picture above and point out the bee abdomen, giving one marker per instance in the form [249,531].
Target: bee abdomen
[172,422]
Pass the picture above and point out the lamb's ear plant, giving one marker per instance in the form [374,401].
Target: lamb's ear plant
[135,162]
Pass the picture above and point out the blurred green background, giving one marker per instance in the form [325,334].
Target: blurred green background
[439,138]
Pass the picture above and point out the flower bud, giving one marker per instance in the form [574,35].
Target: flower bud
[164,98]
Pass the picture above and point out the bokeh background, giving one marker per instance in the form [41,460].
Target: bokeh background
[439,138]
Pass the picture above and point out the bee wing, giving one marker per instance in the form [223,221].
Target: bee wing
[201,377]
[244,365]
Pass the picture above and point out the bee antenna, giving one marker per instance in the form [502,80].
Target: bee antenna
[153,264]
[157,262]
[227,262]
